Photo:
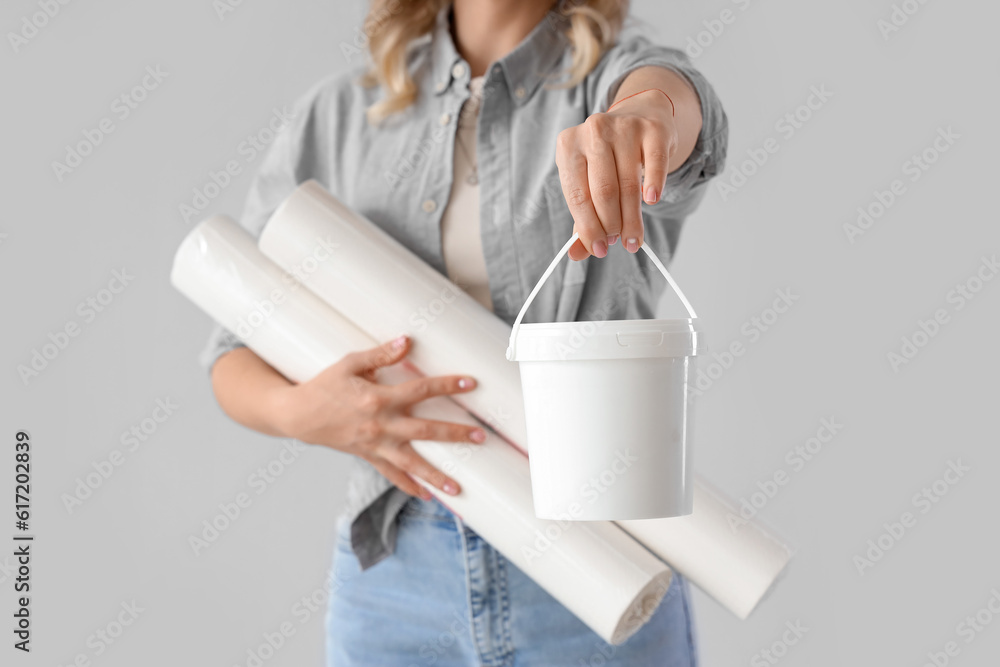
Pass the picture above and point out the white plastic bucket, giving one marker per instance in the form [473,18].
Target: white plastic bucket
[606,408]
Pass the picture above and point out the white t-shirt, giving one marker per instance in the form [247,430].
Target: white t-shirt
[461,243]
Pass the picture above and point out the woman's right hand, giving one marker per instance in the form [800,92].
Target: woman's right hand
[345,408]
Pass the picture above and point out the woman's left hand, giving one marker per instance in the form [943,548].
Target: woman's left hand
[612,162]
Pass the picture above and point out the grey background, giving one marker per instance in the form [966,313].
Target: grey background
[783,229]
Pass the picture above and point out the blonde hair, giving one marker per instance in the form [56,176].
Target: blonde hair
[392,25]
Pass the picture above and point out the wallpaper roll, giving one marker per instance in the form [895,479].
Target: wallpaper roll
[736,562]
[386,290]
[595,570]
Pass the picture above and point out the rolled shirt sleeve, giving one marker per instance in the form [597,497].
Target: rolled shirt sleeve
[288,161]
[684,186]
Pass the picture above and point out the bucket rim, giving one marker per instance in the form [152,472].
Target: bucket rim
[609,339]
[682,323]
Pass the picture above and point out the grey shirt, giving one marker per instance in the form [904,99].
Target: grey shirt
[399,175]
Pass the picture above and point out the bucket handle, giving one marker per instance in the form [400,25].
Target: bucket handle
[548,272]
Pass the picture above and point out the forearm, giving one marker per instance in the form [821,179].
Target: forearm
[687,106]
[251,392]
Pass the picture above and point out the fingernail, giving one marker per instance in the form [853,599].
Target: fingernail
[632,245]
[450,488]
[399,343]
[478,435]
[651,194]
[600,248]
[613,239]
[466,383]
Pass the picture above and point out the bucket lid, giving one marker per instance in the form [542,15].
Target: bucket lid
[608,339]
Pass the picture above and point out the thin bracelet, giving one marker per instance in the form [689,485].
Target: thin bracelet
[640,93]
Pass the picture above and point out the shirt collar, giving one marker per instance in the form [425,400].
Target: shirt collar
[525,68]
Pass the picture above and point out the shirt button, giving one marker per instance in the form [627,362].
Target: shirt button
[445,118]
[440,86]
[458,71]
[429,205]
[520,92]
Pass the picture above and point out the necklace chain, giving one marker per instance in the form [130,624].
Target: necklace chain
[469,108]
[473,178]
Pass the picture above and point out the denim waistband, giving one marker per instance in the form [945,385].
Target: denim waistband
[431,509]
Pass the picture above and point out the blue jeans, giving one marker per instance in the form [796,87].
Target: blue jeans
[447,598]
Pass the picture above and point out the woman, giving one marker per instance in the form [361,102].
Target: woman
[484,134]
